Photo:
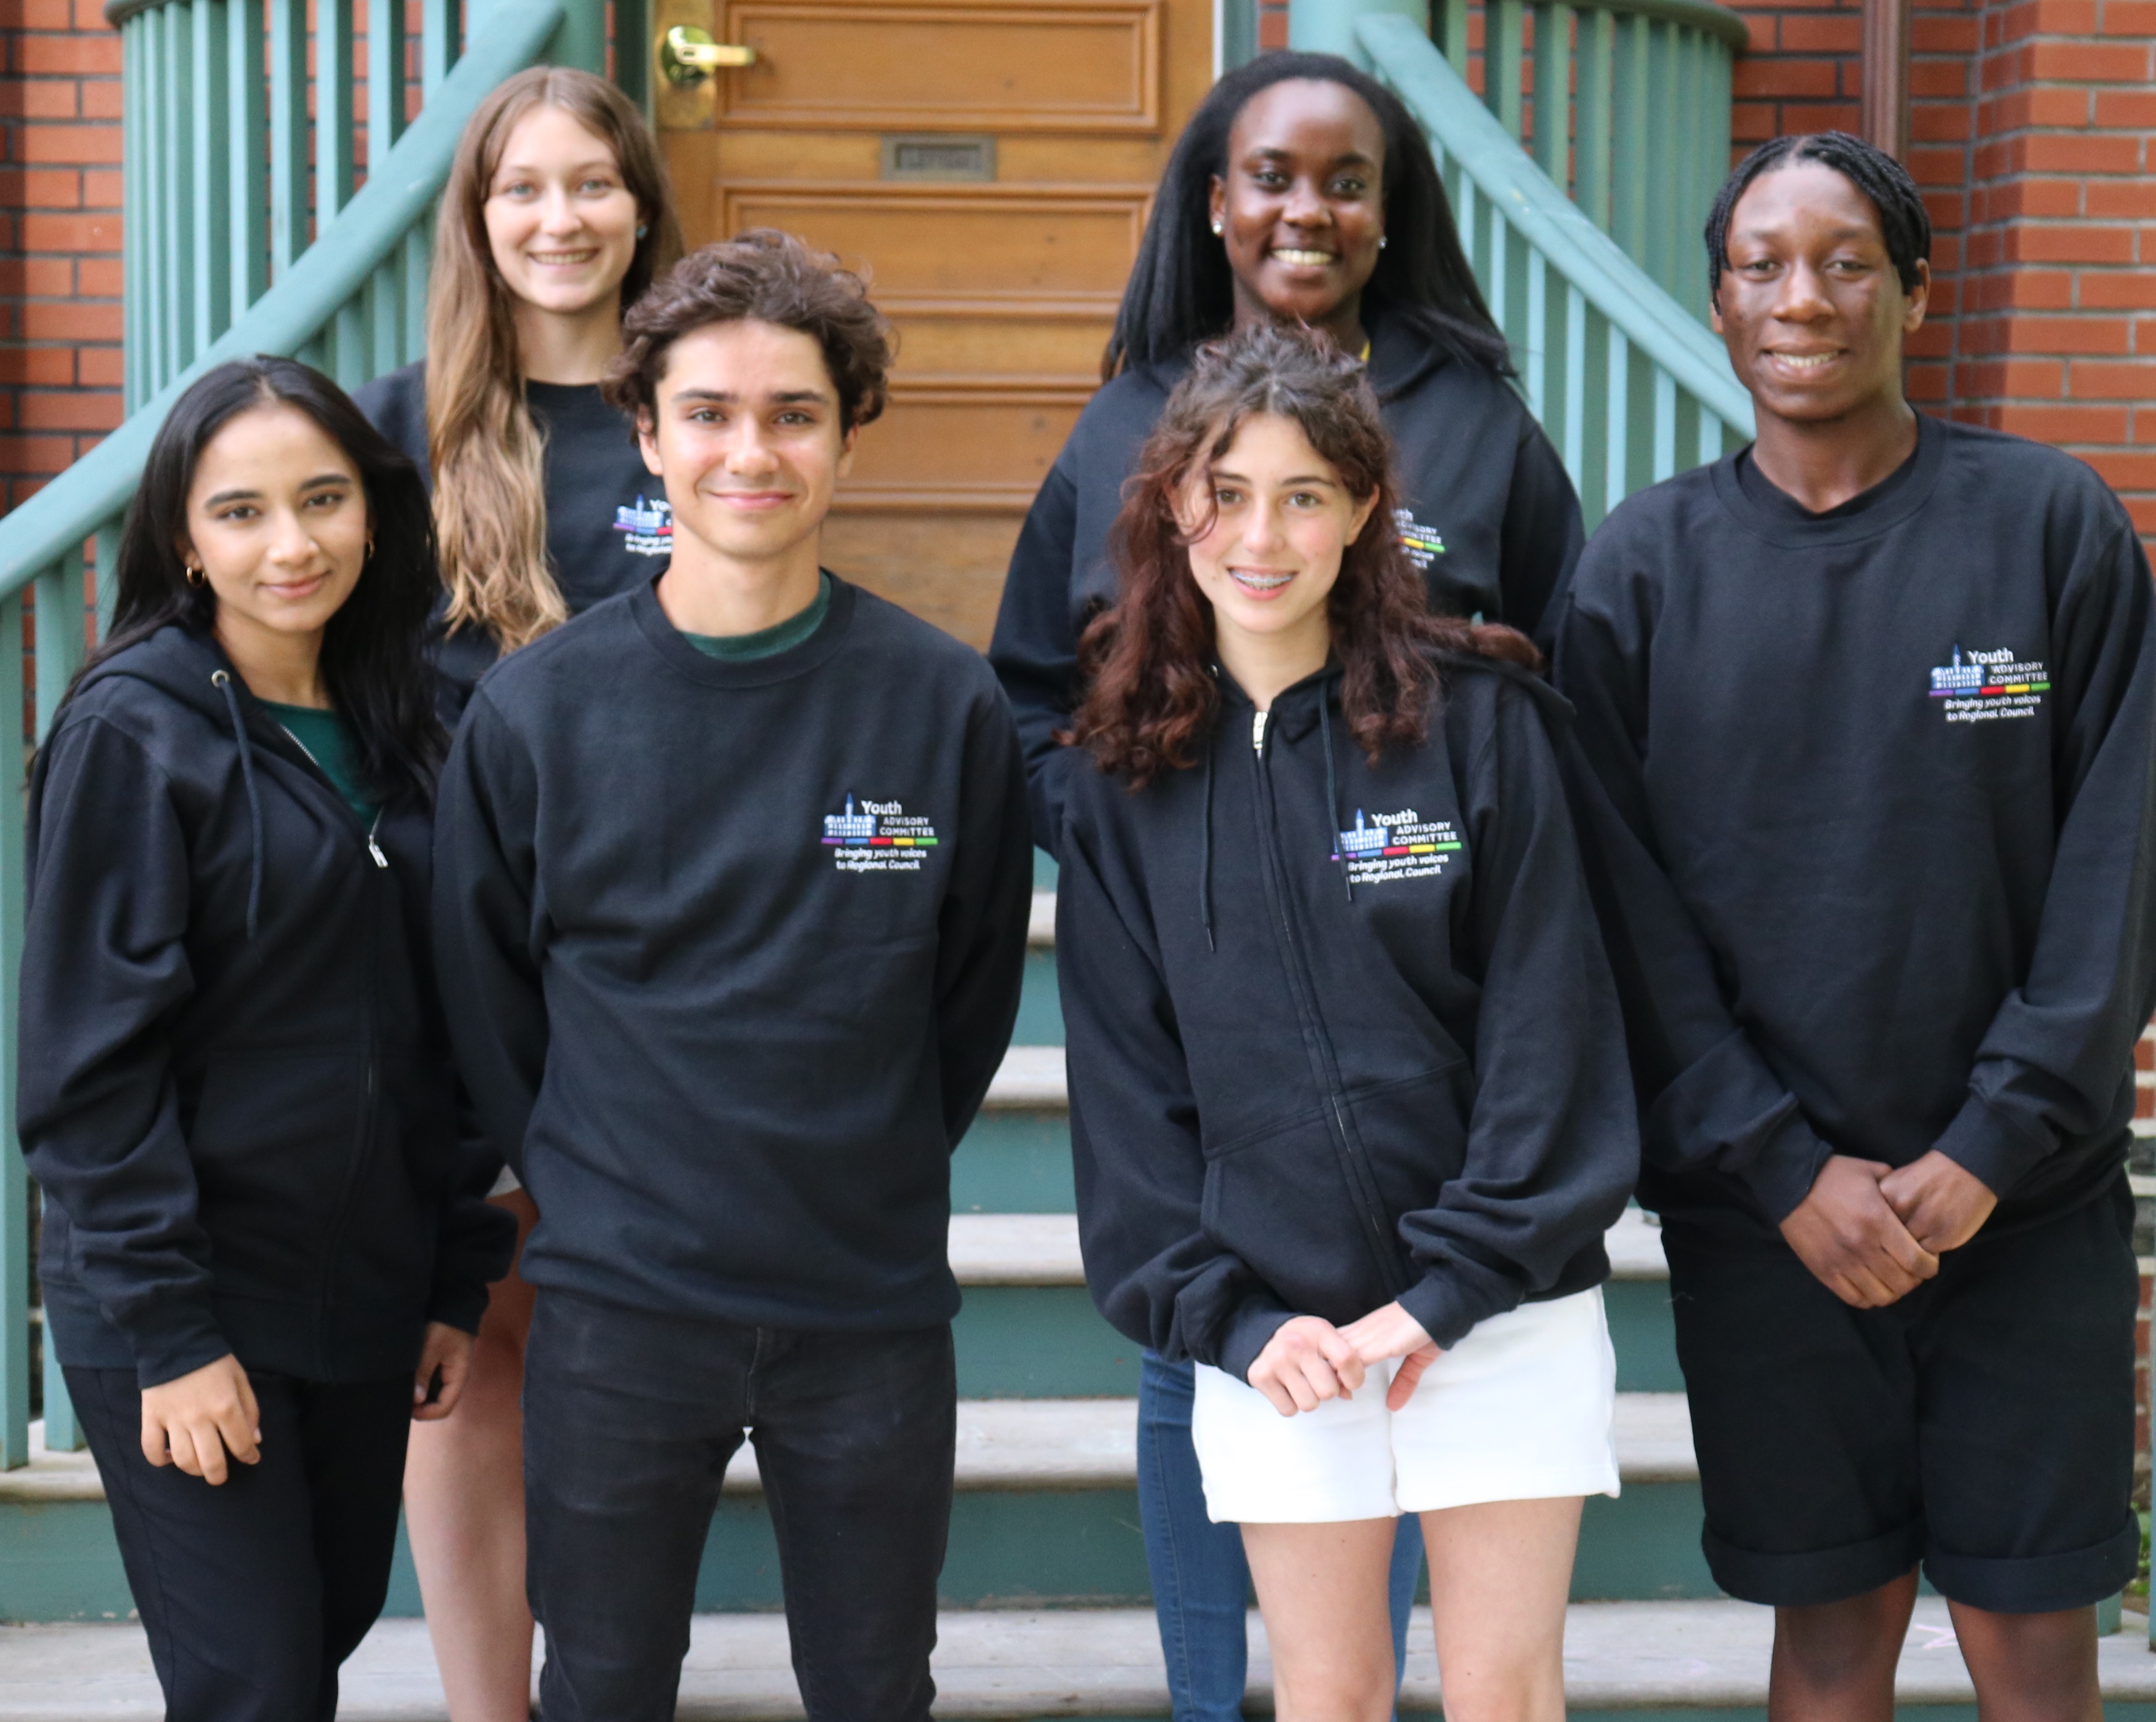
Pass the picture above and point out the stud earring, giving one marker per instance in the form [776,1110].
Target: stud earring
[1216,229]
[641,230]
[1381,241]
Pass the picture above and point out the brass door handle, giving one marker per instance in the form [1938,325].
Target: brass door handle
[688,55]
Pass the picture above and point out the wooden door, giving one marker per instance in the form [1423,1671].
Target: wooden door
[990,165]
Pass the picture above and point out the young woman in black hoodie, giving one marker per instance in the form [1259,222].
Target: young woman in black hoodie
[1349,1101]
[1300,192]
[265,1251]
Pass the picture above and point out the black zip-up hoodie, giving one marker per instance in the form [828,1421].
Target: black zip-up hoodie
[1486,510]
[233,1085]
[732,949]
[1339,1034]
[1872,814]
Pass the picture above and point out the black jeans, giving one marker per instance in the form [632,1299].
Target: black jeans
[629,1419]
[252,1592]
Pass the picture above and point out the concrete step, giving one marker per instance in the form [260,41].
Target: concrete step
[1639,1662]
[1046,1513]
[1029,1329]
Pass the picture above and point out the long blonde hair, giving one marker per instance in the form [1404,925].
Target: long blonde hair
[490,495]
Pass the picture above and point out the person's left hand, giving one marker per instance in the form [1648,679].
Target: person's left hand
[1392,1332]
[449,1350]
[1941,1202]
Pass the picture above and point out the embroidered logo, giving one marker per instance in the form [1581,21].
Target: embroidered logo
[1980,686]
[1423,546]
[877,837]
[1402,845]
[650,526]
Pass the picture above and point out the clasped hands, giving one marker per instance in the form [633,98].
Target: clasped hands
[1873,1233]
[1309,1360]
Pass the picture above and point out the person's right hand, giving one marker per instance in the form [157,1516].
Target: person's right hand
[1851,1237]
[1307,1361]
[194,1420]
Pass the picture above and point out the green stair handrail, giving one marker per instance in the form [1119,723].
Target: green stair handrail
[1625,104]
[352,302]
[1630,385]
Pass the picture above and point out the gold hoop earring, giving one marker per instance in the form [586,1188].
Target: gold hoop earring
[195,574]
[369,556]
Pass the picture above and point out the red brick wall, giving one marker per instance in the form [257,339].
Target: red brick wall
[59,237]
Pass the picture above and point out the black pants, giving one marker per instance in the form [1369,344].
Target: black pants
[628,1421]
[255,1591]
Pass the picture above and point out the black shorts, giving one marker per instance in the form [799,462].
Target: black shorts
[1983,1425]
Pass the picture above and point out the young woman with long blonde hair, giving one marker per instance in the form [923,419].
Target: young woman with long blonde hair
[557,217]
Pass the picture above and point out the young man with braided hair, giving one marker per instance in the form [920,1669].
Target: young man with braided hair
[732,879]
[1869,713]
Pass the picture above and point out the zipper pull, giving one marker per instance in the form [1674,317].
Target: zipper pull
[1258,733]
[373,848]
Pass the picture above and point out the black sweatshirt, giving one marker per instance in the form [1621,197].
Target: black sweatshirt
[608,527]
[1302,1087]
[1874,814]
[233,1086]
[1487,512]
[731,950]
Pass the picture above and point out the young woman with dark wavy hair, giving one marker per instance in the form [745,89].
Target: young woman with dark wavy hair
[1349,1102]
[1300,192]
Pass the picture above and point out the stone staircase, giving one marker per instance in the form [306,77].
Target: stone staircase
[1045,1590]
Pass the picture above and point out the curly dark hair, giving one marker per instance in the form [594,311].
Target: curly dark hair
[1146,663]
[1904,222]
[764,276]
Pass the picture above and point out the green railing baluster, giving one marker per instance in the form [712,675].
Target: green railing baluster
[209,210]
[1684,169]
[60,624]
[1504,23]
[1598,40]
[334,118]
[1537,356]
[1553,92]
[419,247]
[177,147]
[1573,446]
[247,208]
[385,78]
[1665,427]
[108,574]
[288,135]
[438,42]
[15,1265]
[1632,117]
[1660,149]
[385,309]
[1616,481]
[157,295]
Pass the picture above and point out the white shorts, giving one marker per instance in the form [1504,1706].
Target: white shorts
[1519,1410]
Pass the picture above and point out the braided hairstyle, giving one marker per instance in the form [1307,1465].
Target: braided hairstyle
[1903,220]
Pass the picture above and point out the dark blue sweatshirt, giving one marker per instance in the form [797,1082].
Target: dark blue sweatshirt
[1873,816]
[1339,1034]
[1487,513]
[234,1086]
[731,950]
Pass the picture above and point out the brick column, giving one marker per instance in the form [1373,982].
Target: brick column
[2058,336]
[59,239]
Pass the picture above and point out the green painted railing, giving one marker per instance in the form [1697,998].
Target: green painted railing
[1630,386]
[220,197]
[1625,104]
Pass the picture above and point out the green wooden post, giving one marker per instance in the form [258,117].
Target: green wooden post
[247,198]
[580,38]
[1598,39]
[335,118]
[1554,93]
[210,218]
[288,135]
[1451,28]
[1328,26]
[14,1182]
[1504,63]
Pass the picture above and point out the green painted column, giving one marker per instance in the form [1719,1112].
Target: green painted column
[580,40]
[1328,26]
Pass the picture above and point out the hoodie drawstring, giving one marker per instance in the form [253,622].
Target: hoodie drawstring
[222,682]
[1205,857]
[1332,788]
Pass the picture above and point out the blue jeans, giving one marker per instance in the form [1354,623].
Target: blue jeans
[1201,1584]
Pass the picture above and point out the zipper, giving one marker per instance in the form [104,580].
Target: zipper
[1362,1186]
[373,848]
[363,1137]
[1258,733]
